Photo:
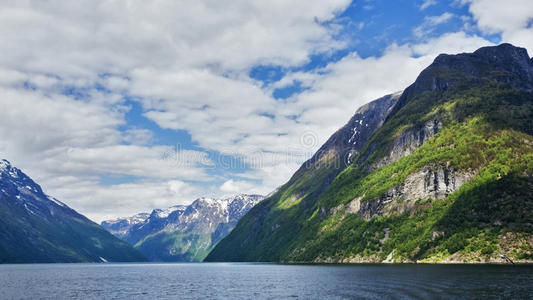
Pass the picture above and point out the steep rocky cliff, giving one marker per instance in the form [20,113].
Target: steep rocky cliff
[432,182]
[408,141]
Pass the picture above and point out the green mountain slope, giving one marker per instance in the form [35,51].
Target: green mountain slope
[36,228]
[445,177]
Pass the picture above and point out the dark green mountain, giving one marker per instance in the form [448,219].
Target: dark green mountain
[36,228]
[442,173]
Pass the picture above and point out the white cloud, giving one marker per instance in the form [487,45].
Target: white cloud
[427,3]
[511,19]
[100,202]
[457,42]
[436,20]
[138,136]
[66,144]
[86,38]
[234,187]
[39,121]
[430,22]
[493,17]
[66,136]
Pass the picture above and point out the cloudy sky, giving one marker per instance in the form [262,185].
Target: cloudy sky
[118,107]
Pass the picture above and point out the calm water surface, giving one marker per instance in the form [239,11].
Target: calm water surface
[263,281]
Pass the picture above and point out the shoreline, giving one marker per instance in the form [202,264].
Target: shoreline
[325,263]
[519,262]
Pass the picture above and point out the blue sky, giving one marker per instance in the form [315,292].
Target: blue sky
[119,108]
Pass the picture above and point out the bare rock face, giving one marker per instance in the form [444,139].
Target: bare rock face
[349,140]
[409,141]
[431,182]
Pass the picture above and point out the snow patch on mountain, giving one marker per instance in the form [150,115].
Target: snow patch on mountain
[164,213]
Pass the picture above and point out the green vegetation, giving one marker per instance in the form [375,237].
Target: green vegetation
[469,221]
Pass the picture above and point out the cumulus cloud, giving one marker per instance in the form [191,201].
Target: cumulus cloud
[512,20]
[72,136]
[233,187]
[91,37]
[493,17]
[93,199]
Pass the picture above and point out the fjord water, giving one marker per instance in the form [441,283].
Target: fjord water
[257,281]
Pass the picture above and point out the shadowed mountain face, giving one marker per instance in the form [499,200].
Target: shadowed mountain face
[442,173]
[183,233]
[35,227]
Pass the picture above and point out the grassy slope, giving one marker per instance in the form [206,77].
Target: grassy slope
[487,128]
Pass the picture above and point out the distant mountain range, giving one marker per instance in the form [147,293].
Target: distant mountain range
[37,228]
[182,233]
[441,172]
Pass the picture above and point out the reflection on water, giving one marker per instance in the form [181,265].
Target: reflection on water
[253,281]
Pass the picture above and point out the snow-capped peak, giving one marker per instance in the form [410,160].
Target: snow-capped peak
[135,219]
[164,213]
